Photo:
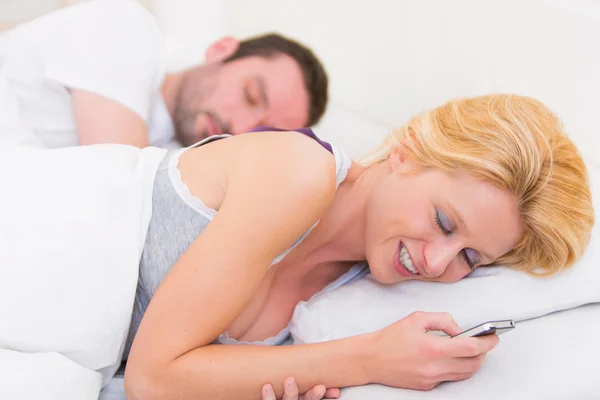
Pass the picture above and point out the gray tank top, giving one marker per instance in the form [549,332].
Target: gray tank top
[177,220]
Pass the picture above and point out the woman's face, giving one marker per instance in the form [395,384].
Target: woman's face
[434,226]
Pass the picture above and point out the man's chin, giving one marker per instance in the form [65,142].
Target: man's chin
[188,140]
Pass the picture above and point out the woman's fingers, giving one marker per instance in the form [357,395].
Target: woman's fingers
[267,392]
[456,377]
[332,393]
[315,393]
[407,356]
[436,321]
[470,346]
[290,389]
[290,392]
[462,368]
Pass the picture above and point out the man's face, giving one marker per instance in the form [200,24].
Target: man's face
[239,95]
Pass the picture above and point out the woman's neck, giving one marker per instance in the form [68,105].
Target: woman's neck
[339,236]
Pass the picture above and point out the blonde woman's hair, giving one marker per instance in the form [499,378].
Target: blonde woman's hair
[517,144]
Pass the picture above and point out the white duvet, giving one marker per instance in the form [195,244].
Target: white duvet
[72,228]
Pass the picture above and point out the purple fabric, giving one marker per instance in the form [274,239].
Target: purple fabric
[305,131]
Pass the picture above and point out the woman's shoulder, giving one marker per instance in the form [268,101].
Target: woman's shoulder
[295,150]
[342,160]
[308,132]
[271,160]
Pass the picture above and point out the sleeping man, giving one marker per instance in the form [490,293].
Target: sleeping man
[94,73]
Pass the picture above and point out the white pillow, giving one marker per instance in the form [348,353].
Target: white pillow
[354,133]
[487,294]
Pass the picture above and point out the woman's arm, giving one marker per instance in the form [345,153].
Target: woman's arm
[277,187]
[239,372]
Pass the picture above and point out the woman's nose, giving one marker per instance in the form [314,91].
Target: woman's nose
[438,256]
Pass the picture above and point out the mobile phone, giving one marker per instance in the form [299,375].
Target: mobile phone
[488,328]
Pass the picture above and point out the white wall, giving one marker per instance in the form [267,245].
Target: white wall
[189,27]
[390,59]
[16,11]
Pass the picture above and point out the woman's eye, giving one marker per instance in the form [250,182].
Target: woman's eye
[443,222]
[471,258]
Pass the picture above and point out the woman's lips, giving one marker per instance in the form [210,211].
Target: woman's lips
[399,266]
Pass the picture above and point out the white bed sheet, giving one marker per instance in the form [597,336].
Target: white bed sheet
[115,390]
[553,357]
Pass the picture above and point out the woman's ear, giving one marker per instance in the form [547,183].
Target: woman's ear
[400,162]
[221,49]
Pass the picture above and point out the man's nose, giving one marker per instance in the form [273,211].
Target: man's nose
[248,121]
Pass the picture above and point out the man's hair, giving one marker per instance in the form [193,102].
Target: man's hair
[315,77]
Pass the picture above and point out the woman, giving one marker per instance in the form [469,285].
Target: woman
[245,228]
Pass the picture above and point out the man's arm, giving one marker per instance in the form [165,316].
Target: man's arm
[108,55]
[101,120]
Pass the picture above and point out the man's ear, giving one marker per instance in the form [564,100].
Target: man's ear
[221,49]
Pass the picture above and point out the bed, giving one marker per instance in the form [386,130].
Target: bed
[388,60]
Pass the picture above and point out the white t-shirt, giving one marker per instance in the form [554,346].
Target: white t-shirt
[113,48]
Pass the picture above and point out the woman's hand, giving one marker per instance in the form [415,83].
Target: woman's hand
[406,356]
[290,392]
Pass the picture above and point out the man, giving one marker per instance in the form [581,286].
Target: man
[94,73]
